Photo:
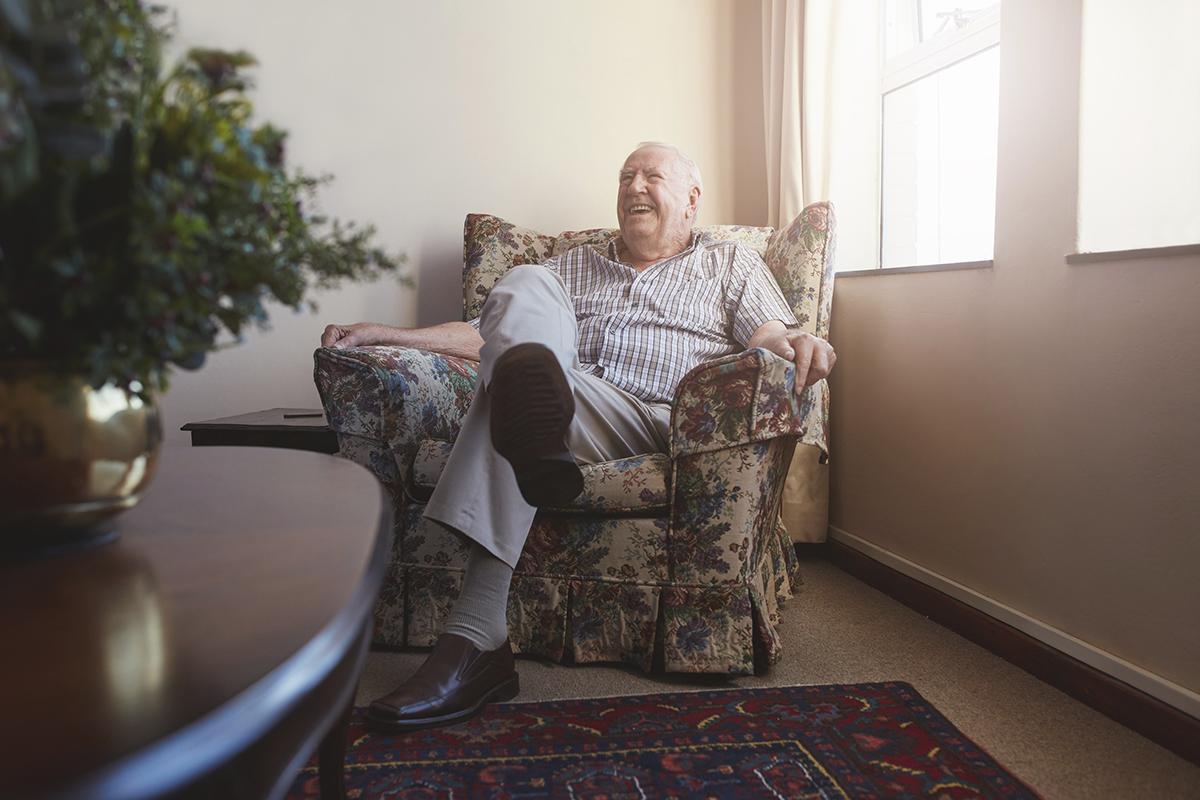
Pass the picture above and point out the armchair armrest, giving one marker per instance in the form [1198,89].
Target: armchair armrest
[399,396]
[739,399]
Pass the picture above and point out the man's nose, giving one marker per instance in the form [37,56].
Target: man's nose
[638,184]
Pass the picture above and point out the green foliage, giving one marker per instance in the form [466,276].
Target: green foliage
[144,214]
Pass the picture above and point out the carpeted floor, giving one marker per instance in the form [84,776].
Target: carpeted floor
[839,630]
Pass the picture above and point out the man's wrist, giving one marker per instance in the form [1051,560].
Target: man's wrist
[394,335]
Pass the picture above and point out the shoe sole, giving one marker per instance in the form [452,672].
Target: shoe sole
[505,690]
[532,409]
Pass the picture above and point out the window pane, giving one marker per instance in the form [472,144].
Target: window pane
[939,165]
[1139,125]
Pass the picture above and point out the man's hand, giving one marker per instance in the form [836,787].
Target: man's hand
[814,357]
[356,335]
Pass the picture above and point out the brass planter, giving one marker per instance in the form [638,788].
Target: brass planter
[71,456]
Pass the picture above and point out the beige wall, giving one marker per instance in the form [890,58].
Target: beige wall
[1030,432]
[426,111]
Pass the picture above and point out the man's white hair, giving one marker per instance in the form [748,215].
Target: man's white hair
[689,166]
[693,172]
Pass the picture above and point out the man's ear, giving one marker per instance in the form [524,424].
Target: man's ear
[693,200]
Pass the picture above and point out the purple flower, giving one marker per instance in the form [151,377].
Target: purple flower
[692,638]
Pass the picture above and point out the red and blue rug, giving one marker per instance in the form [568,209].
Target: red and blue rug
[850,740]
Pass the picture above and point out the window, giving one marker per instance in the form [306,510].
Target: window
[940,93]
[1139,126]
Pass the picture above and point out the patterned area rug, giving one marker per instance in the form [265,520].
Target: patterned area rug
[850,740]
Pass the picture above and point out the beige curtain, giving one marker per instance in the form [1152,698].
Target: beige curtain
[801,41]
[821,99]
[783,50]
[821,77]
[802,44]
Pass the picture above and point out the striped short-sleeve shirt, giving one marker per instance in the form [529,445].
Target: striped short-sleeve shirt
[643,331]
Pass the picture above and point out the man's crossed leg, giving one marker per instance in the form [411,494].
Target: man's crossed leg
[480,493]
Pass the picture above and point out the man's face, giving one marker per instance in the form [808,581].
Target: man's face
[656,205]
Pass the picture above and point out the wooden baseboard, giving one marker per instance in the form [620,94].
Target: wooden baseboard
[1133,708]
[812,549]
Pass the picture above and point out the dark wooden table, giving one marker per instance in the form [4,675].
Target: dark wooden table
[208,650]
[295,428]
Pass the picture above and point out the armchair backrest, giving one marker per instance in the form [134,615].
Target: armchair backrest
[800,256]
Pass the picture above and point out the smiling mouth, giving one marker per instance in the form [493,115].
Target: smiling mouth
[638,209]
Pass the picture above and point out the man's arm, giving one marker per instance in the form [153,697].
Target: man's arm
[814,357]
[458,339]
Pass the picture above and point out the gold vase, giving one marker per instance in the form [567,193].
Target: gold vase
[71,456]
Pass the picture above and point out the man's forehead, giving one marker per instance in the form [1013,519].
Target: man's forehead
[651,156]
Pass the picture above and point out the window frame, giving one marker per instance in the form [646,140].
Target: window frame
[939,53]
[920,62]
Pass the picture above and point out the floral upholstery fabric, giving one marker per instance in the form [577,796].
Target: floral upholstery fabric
[631,484]
[673,561]
[491,247]
[394,396]
[801,258]
[734,400]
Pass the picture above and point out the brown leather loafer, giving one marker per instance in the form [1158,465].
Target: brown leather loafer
[455,683]
[532,409]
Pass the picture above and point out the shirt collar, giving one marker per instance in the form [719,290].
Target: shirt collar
[698,238]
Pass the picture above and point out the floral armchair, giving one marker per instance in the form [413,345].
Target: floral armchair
[674,561]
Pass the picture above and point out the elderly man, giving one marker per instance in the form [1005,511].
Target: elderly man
[579,360]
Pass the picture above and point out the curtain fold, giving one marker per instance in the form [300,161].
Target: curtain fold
[782,70]
[821,67]
[803,43]
[820,77]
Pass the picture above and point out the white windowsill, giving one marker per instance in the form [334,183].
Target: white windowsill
[1130,255]
[959,265]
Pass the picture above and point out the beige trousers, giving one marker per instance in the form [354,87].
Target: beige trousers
[477,493]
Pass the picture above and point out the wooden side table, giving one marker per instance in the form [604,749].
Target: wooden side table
[292,428]
[210,648]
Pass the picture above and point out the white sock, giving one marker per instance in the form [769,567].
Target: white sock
[480,612]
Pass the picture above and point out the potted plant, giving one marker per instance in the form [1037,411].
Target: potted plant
[145,219]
